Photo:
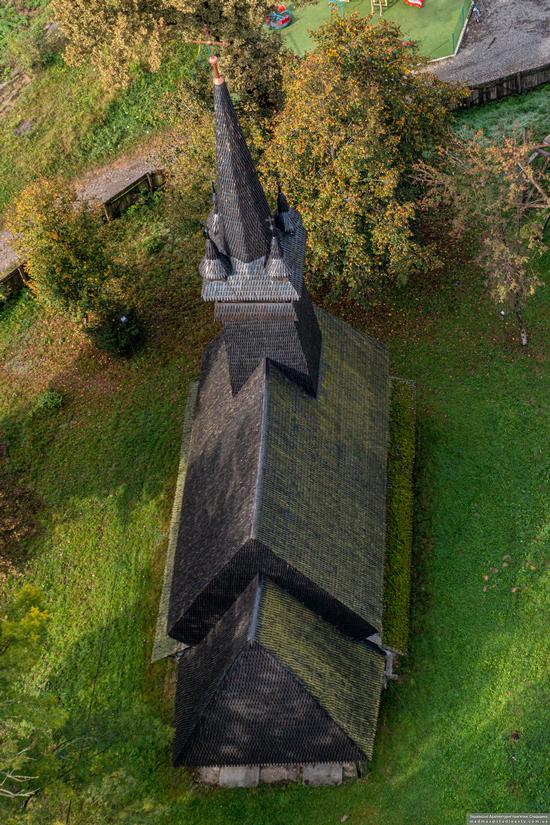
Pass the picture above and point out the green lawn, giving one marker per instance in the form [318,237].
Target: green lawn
[436,26]
[513,114]
[75,123]
[105,466]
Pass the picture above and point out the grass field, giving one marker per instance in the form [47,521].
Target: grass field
[76,124]
[436,26]
[105,465]
[513,114]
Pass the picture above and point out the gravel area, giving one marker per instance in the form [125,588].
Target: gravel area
[511,35]
[101,184]
[8,258]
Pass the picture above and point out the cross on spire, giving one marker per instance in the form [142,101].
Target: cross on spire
[213,58]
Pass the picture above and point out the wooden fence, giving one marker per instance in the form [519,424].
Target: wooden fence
[115,206]
[512,84]
[12,281]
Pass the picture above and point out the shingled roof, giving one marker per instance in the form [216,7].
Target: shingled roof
[289,485]
[273,683]
[278,568]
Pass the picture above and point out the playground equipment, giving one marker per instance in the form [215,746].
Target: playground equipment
[280,18]
[378,5]
[417,4]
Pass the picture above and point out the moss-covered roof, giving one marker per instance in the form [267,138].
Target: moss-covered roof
[287,484]
[400,500]
[322,503]
[272,683]
[344,676]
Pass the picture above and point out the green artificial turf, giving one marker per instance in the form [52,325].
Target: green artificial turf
[436,26]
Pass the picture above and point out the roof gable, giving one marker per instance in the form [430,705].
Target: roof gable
[344,676]
[221,479]
[252,692]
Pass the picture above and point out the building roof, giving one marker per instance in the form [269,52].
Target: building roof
[273,683]
[287,484]
[245,233]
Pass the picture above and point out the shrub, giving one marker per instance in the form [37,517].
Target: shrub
[399,519]
[35,46]
[117,330]
[63,244]
[49,400]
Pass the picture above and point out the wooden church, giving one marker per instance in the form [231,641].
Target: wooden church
[274,581]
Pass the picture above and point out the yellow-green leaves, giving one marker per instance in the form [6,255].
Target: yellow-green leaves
[355,120]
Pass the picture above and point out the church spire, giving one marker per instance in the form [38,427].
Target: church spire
[253,264]
[240,197]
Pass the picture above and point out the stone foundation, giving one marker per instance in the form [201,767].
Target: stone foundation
[249,776]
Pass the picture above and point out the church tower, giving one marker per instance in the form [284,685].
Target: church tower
[253,264]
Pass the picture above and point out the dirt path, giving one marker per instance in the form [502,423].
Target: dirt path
[103,182]
[96,186]
[511,36]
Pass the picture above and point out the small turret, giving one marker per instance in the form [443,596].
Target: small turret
[213,267]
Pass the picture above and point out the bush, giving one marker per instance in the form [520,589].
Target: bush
[63,243]
[117,330]
[35,46]
[399,518]
[49,400]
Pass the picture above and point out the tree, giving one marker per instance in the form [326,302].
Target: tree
[113,34]
[61,241]
[117,34]
[358,113]
[501,195]
[29,720]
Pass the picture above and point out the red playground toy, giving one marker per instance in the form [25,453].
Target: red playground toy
[280,18]
[417,4]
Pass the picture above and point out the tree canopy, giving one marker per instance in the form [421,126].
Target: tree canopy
[61,242]
[117,34]
[500,195]
[358,113]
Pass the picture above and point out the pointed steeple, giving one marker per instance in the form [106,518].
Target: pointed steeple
[253,264]
[241,199]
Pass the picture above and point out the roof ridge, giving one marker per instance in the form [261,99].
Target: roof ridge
[254,619]
[245,643]
[261,453]
[214,692]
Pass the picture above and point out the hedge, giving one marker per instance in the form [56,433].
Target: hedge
[399,517]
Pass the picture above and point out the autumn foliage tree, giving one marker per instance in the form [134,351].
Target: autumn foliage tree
[499,194]
[61,241]
[358,114]
[118,34]
[30,720]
